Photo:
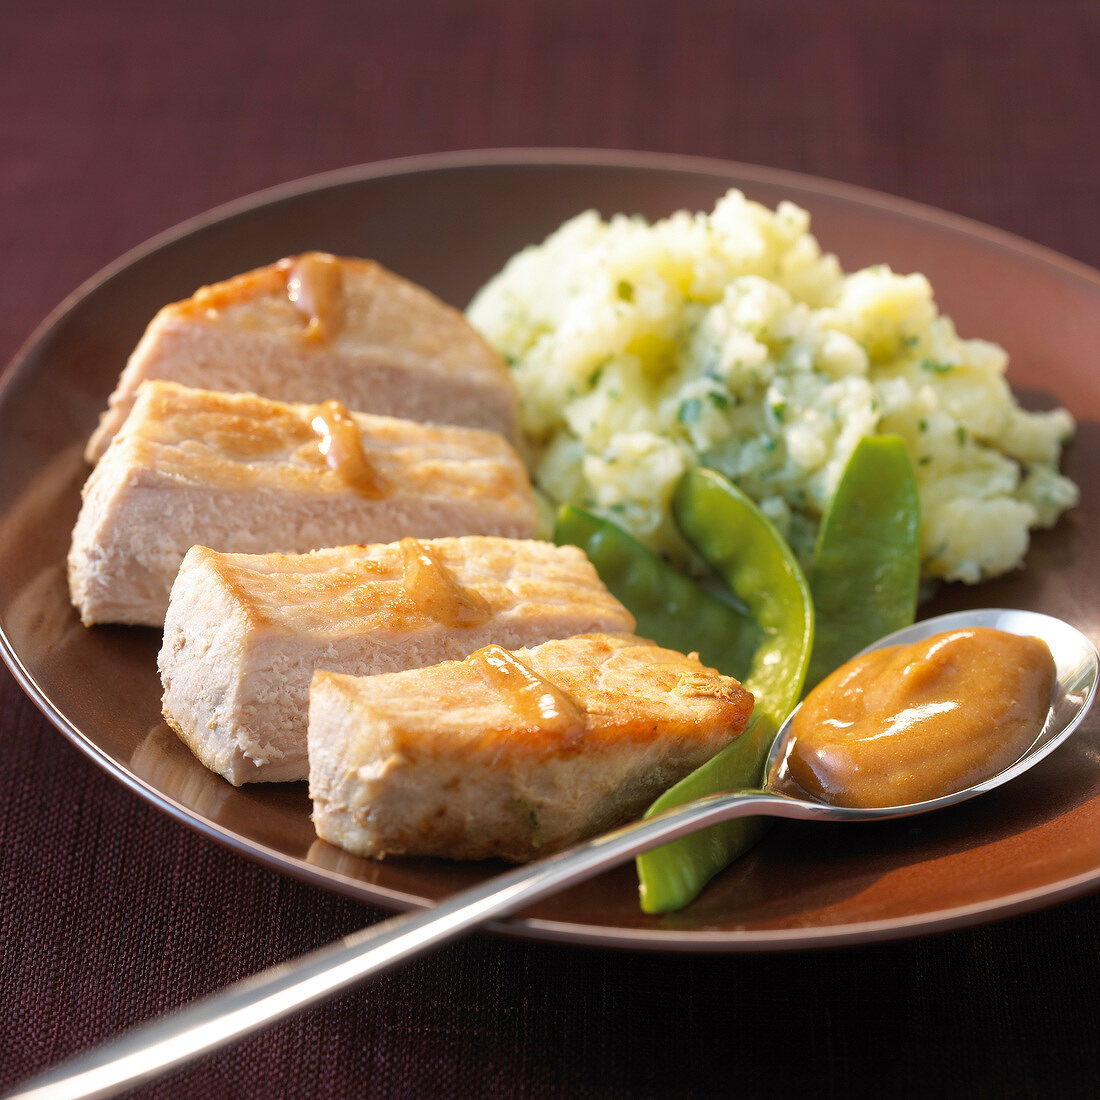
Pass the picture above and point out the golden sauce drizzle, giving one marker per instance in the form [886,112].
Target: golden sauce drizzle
[342,448]
[532,698]
[435,591]
[315,284]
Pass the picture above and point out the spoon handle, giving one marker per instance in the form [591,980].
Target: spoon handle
[197,1029]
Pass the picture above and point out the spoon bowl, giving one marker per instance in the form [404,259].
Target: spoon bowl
[1075,681]
[206,1025]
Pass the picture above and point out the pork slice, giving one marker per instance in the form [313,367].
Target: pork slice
[314,327]
[476,758]
[243,474]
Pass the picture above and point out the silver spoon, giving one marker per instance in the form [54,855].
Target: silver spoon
[154,1048]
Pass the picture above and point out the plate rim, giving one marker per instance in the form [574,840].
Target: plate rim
[551,156]
[544,929]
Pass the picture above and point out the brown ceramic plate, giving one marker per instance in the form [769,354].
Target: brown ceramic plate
[450,222]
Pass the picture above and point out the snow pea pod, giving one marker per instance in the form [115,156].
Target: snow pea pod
[670,609]
[672,876]
[866,567]
[742,546]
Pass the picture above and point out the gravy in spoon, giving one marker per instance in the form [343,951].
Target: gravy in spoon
[913,722]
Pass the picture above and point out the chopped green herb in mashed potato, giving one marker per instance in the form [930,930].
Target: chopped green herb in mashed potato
[730,340]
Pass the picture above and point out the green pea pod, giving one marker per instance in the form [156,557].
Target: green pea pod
[672,875]
[866,567]
[742,546]
[670,609]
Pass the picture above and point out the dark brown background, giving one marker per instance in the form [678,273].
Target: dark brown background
[116,124]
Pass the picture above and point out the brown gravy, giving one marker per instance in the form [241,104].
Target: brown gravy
[909,723]
[315,285]
[342,447]
[435,591]
[538,703]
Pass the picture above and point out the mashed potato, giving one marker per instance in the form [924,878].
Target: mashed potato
[730,340]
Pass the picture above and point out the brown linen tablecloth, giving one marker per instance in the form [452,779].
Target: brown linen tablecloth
[120,120]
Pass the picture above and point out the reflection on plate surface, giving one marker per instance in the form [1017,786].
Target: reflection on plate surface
[449,223]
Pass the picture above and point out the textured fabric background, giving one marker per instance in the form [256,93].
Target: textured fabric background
[120,120]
